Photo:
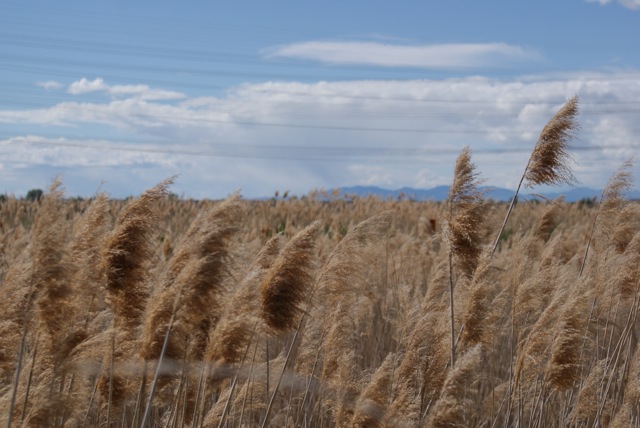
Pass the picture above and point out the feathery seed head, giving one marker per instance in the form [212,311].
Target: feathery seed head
[285,285]
[467,214]
[548,163]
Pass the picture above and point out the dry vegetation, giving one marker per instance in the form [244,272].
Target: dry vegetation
[324,311]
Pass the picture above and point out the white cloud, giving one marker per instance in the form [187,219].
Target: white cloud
[143,92]
[630,4]
[49,85]
[64,152]
[84,86]
[299,136]
[393,55]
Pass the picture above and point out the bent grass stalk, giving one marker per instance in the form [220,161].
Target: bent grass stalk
[547,163]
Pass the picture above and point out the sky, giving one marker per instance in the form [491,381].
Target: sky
[295,96]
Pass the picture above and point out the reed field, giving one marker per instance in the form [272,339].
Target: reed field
[325,311]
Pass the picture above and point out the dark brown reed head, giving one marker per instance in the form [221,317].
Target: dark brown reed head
[548,163]
[285,285]
[127,253]
[49,274]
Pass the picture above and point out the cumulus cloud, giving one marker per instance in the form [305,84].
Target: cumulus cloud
[49,85]
[299,136]
[84,86]
[143,92]
[449,55]
[630,4]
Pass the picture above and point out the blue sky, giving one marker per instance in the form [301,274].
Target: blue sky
[265,96]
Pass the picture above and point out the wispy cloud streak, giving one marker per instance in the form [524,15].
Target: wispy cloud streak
[439,56]
[630,4]
[49,85]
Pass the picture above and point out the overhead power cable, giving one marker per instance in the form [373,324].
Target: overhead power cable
[172,119]
[297,152]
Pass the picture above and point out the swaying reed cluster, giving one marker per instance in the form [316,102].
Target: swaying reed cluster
[325,311]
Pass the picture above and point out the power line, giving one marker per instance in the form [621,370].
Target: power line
[127,50]
[310,95]
[293,152]
[19,90]
[49,61]
[251,123]
[139,51]
[55,62]
[319,113]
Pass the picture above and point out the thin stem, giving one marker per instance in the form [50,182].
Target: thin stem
[284,366]
[313,370]
[196,406]
[451,314]
[20,356]
[593,228]
[249,385]
[186,396]
[235,382]
[453,333]
[147,410]
[513,201]
[93,394]
[173,415]
[140,395]
[268,370]
[113,345]
[26,396]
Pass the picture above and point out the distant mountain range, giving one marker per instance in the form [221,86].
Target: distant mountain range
[440,193]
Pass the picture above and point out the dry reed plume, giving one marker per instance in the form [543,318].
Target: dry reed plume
[465,228]
[285,286]
[548,161]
